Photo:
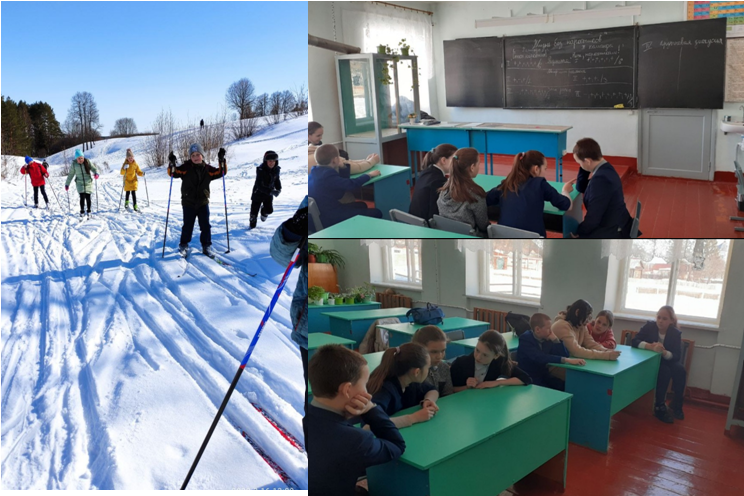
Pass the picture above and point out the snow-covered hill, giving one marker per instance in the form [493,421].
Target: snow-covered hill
[115,359]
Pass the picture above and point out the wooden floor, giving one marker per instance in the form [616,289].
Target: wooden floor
[647,457]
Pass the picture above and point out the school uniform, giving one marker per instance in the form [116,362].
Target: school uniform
[524,209]
[340,453]
[425,194]
[464,367]
[606,214]
[392,399]
[440,378]
[473,213]
[535,354]
[671,367]
[327,186]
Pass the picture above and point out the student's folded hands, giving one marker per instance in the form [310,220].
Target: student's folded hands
[426,413]
[359,404]
[427,403]
[472,382]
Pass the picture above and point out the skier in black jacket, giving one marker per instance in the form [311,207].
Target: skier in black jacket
[266,187]
[195,177]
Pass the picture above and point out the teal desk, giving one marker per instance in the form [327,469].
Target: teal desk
[373,361]
[354,325]
[320,323]
[403,333]
[480,443]
[317,339]
[392,187]
[555,220]
[602,388]
[512,342]
[490,138]
[367,227]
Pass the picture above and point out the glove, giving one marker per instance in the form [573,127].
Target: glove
[221,155]
[95,176]
[126,165]
[298,223]
[143,173]
[67,188]
[172,159]
[276,192]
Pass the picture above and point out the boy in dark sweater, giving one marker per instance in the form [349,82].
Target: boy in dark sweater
[266,187]
[338,452]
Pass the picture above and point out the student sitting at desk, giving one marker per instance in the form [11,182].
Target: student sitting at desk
[327,186]
[538,348]
[434,340]
[315,139]
[461,198]
[606,214]
[570,327]
[522,195]
[437,164]
[339,452]
[398,383]
[664,337]
[601,329]
[487,366]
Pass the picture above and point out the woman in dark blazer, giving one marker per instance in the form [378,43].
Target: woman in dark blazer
[436,165]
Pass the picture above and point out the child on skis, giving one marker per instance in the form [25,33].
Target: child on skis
[37,172]
[80,170]
[266,187]
[195,176]
[130,170]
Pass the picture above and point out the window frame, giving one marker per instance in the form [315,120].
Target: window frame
[484,258]
[387,269]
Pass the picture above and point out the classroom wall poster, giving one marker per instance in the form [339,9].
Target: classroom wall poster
[732,11]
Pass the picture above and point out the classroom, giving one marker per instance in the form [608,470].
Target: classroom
[525,367]
[526,119]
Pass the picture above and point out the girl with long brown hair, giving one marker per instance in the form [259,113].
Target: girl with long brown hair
[398,383]
[488,366]
[436,165]
[461,198]
[522,195]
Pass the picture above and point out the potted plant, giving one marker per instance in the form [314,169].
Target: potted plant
[348,299]
[412,118]
[368,292]
[383,49]
[315,295]
[405,48]
[332,257]
[312,251]
[331,299]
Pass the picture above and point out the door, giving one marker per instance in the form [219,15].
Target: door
[677,143]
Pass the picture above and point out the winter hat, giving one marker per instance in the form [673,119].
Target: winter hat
[196,147]
[78,154]
[29,159]
[129,153]
[271,155]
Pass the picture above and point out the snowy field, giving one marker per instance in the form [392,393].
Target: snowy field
[115,360]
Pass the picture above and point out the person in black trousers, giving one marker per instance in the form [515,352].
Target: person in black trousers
[266,187]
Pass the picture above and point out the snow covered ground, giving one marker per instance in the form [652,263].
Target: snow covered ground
[115,360]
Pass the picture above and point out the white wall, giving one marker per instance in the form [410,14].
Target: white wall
[616,131]
[571,270]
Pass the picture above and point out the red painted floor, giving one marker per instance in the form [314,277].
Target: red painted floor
[647,457]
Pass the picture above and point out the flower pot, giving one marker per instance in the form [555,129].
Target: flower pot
[318,302]
[412,121]
[311,258]
[325,298]
[349,301]
[404,51]
[369,299]
[381,49]
[331,301]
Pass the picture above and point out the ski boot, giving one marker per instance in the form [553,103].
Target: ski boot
[207,250]
[183,250]
[264,217]
[253,222]
[135,208]
[126,204]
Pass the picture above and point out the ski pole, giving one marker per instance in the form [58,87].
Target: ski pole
[98,209]
[247,357]
[51,187]
[123,182]
[25,187]
[69,208]
[225,192]
[167,213]
[146,191]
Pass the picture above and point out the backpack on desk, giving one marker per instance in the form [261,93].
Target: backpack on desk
[430,315]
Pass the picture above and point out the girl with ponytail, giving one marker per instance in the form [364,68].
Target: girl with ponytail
[522,195]
[435,167]
[398,383]
[488,366]
[461,198]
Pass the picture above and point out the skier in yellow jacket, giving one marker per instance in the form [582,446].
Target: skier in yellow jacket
[130,170]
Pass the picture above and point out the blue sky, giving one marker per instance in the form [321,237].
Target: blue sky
[138,57]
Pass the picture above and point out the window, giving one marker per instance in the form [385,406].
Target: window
[512,269]
[402,262]
[688,274]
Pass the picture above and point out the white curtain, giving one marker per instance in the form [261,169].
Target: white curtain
[694,251]
[476,245]
[390,243]
[367,25]
[618,248]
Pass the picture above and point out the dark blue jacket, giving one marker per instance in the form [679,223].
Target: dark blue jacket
[327,186]
[464,367]
[392,399]
[425,194]
[340,453]
[672,342]
[606,214]
[524,210]
[534,357]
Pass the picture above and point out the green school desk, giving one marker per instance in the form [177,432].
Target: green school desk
[354,325]
[392,187]
[373,361]
[490,138]
[601,388]
[317,339]
[402,333]
[512,342]
[320,323]
[555,219]
[479,443]
[367,227]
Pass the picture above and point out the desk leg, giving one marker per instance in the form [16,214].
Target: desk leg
[642,406]
[590,409]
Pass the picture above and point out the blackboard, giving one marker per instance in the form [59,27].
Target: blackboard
[682,64]
[577,69]
[474,72]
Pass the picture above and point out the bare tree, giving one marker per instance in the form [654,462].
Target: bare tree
[288,104]
[262,105]
[275,107]
[124,127]
[244,129]
[300,96]
[212,135]
[241,96]
[159,145]
[83,118]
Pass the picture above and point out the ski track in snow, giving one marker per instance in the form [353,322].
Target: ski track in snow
[115,360]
